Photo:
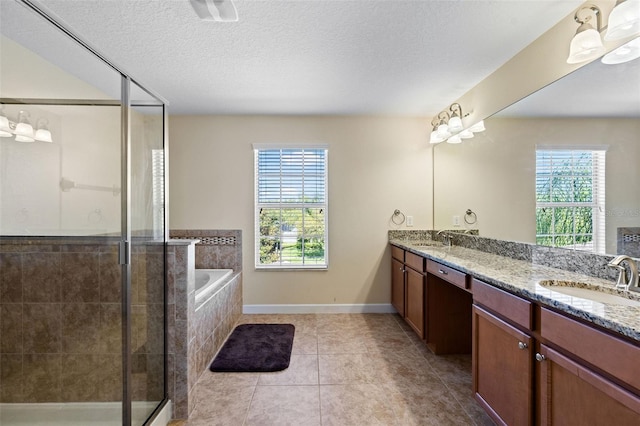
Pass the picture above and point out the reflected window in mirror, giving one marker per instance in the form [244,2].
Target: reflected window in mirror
[570,198]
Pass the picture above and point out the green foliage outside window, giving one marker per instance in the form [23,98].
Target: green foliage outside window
[565,198]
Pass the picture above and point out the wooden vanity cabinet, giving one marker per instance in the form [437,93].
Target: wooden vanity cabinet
[576,386]
[572,373]
[571,394]
[407,288]
[502,356]
[414,302]
[397,286]
[414,312]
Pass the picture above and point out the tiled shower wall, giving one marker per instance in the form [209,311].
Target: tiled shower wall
[60,321]
[196,332]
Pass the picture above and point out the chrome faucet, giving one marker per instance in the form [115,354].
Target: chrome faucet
[446,239]
[626,283]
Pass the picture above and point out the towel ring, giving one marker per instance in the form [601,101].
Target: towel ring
[396,214]
[470,217]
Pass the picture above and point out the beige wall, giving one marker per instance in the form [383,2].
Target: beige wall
[494,173]
[376,165]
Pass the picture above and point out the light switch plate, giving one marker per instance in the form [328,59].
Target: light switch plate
[409,220]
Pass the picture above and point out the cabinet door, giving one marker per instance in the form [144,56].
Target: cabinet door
[397,286]
[502,364]
[571,394]
[414,313]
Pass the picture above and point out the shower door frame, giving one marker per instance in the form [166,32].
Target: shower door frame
[126,235]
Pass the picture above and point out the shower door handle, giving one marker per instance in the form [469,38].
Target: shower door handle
[124,256]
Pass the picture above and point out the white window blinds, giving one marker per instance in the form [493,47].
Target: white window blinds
[570,198]
[291,207]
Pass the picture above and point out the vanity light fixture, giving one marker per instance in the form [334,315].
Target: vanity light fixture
[24,130]
[434,137]
[455,139]
[215,10]
[455,122]
[466,134]
[5,127]
[478,127]
[586,44]
[450,128]
[42,133]
[624,20]
[443,126]
[625,53]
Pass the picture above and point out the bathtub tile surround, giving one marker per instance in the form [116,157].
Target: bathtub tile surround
[197,330]
[60,320]
[222,248]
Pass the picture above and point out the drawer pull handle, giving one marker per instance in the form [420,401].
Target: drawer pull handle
[443,272]
[522,345]
[540,357]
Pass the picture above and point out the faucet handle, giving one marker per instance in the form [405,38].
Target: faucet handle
[623,282]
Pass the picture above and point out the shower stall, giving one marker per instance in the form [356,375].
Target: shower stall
[82,231]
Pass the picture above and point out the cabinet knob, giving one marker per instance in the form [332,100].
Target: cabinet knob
[540,357]
[442,272]
[522,345]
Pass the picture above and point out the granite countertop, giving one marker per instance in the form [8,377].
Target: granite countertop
[522,278]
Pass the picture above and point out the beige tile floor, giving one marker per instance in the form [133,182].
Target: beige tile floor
[360,369]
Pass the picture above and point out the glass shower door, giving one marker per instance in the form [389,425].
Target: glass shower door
[147,212]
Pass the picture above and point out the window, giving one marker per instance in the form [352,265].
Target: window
[291,207]
[570,195]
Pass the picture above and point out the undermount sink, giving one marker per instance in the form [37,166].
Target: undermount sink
[591,292]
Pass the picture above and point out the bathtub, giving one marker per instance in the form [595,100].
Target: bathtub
[209,281]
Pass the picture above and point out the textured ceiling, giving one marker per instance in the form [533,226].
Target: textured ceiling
[393,57]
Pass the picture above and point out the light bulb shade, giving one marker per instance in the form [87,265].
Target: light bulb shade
[20,138]
[454,139]
[435,138]
[466,134]
[443,131]
[25,130]
[215,10]
[585,45]
[624,20]
[478,127]
[43,135]
[625,53]
[455,124]
[5,130]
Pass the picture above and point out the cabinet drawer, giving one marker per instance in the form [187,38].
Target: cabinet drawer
[456,278]
[414,261]
[397,253]
[512,307]
[593,346]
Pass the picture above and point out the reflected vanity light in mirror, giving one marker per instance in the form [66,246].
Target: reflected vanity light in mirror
[625,53]
[24,129]
[454,139]
[5,130]
[42,133]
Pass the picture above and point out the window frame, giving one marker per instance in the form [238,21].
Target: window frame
[284,204]
[597,204]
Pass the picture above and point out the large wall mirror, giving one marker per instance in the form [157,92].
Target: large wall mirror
[536,174]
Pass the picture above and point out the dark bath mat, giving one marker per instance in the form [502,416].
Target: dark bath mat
[256,348]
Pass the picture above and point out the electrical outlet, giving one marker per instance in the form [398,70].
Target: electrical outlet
[456,220]
[409,220]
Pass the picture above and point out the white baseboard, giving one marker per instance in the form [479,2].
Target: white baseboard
[372,308]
